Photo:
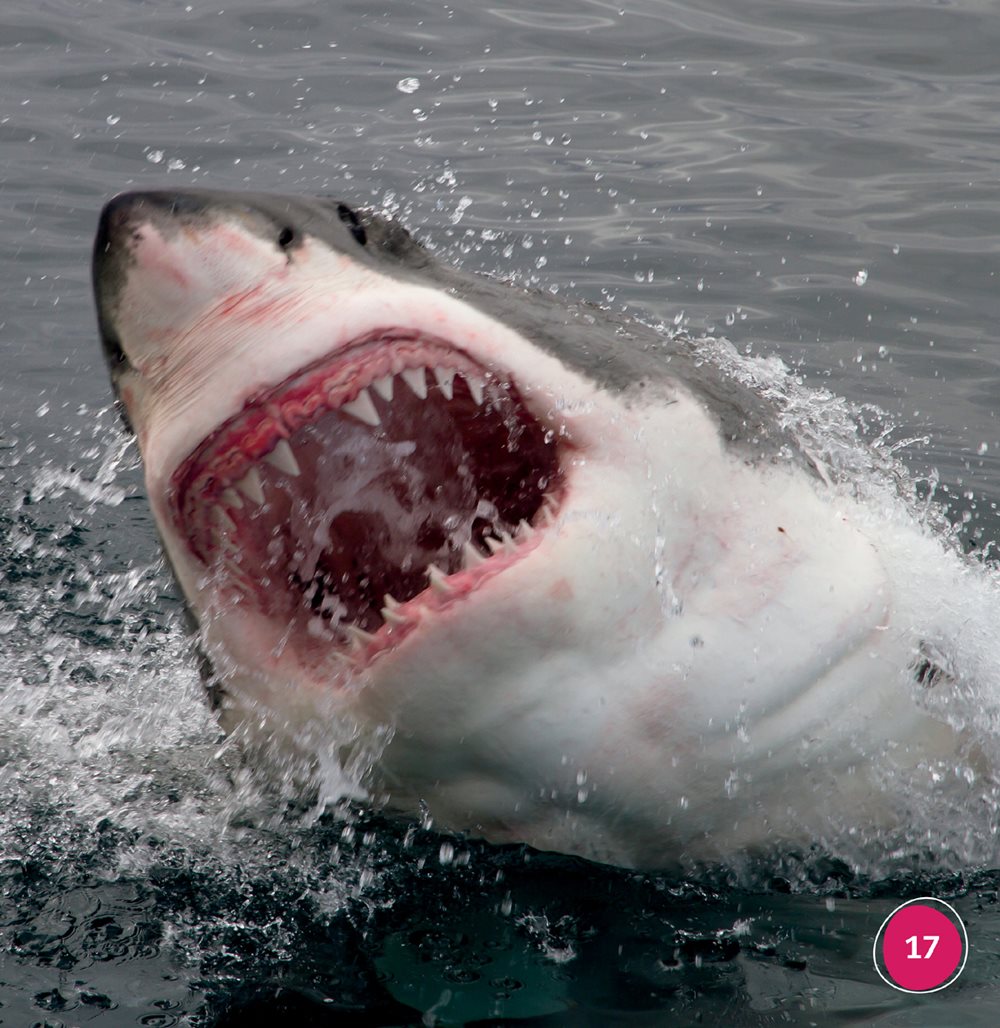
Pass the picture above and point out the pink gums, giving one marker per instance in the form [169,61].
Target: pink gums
[278,412]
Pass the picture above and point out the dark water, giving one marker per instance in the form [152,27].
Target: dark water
[812,179]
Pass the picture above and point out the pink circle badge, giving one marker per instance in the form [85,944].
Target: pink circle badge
[922,946]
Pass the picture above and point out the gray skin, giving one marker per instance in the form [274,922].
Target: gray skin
[617,353]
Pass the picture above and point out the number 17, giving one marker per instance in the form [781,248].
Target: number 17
[914,954]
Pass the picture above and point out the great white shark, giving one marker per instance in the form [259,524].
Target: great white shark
[533,568]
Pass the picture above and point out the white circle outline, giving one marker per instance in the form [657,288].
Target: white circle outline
[965,947]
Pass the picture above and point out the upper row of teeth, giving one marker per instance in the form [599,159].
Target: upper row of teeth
[361,407]
[251,487]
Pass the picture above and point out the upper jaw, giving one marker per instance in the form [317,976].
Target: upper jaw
[208,373]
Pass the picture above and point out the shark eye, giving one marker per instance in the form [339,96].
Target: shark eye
[350,219]
[286,237]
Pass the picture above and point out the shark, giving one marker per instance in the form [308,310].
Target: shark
[525,566]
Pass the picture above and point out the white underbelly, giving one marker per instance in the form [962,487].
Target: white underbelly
[767,709]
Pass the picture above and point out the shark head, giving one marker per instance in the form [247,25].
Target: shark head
[358,465]
[345,457]
[528,545]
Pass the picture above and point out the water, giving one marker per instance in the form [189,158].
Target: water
[811,179]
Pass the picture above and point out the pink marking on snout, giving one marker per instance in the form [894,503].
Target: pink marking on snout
[231,241]
[155,256]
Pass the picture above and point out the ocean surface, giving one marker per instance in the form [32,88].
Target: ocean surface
[815,180]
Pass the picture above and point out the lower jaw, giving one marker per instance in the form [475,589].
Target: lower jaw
[283,635]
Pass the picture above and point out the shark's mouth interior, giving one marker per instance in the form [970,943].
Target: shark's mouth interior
[400,469]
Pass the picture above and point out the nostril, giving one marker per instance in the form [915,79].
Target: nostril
[286,237]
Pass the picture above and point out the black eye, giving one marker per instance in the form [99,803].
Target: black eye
[286,237]
[350,219]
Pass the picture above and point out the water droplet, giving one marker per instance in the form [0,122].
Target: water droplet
[861,277]
[408,85]
[460,208]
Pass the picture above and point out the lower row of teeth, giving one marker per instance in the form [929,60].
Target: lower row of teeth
[362,408]
[394,613]
[352,637]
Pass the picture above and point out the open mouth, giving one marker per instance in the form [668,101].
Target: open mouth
[367,489]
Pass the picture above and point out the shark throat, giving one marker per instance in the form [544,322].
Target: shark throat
[359,483]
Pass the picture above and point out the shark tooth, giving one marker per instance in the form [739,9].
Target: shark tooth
[390,611]
[393,617]
[547,513]
[471,557]
[250,486]
[438,580]
[358,637]
[282,458]
[362,408]
[445,378]
[416,380]
[222,522]
[475,388]
[383,386]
